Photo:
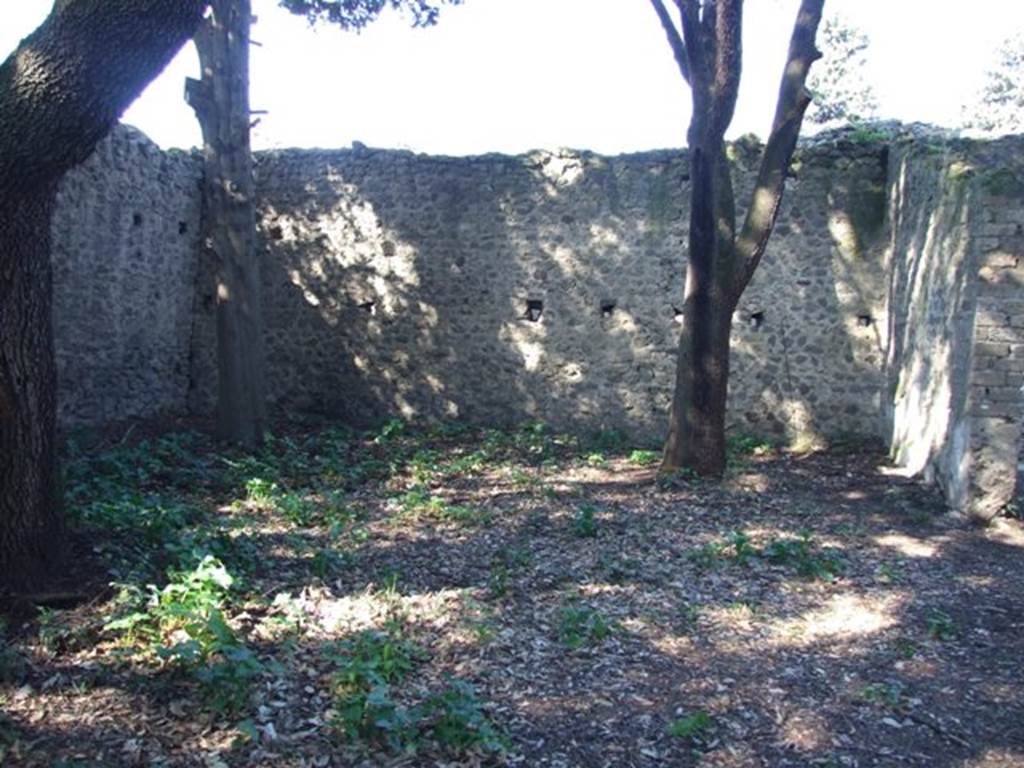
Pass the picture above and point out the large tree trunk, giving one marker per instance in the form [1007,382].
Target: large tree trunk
[721,262]
[221,102]
[30,519]
[60,92]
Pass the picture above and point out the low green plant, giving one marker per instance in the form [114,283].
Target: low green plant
[455,719]
[707,556]
[644,458]
[368,667]
[738,446]
[805,558]
[940,625]
[694,727]
[743,550]
[260,491]
[596,459]
[889,695]
[190,608]
[584,523]
[392,430]
[580,626]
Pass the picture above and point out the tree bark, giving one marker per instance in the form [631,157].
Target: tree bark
[706,46]
[61,92]
[221,103]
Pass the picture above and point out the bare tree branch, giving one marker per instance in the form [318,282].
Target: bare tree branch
[789,113]
[675,40]
[728,26]
[696,46]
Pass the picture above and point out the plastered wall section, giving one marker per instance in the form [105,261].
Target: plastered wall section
[498,289]
[955,365]
[124,242]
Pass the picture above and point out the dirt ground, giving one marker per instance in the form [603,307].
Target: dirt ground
[810,610]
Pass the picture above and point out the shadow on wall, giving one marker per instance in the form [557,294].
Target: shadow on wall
[932,302]
[500,289]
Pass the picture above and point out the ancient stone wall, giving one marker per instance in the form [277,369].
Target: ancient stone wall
[955,364]
[124,243]
[547,286]
[496,289]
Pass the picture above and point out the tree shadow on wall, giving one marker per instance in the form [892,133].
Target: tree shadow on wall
[541,287]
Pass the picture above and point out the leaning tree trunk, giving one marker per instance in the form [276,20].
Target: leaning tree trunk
[61,92]
[221,103]
[721,262]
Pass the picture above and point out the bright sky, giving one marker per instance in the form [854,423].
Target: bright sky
[513,75]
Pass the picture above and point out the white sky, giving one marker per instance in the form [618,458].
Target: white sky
[512,75]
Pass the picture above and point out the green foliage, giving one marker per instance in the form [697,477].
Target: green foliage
[803,556]
[368,668]
[584,523]
[356,14]
[454,718]
[609,440]
[999,105]
[580,626]
[644,458]
[742,548]
[191,606]
[889,695]
[707,556]
[694,727]
[940,625]
[840,94]
[738,446]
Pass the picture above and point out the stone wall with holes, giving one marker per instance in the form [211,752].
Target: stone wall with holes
[955,363]
[124,243]
[497,289]
[546,286]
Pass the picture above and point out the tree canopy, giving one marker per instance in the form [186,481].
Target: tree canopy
[840,93]
[356,14]
[1000,104]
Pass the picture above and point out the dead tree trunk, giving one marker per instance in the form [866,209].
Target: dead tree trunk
[721,262]
[61,92]
[221,103]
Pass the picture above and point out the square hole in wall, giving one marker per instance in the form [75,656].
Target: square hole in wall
[534,309]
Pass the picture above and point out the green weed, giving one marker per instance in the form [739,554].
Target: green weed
[644,458]
[584,523]
[580,626]
[695,727]
[940,626]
